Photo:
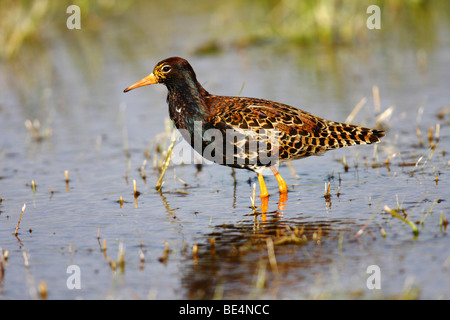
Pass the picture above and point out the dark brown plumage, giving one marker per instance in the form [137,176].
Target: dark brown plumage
[247,133]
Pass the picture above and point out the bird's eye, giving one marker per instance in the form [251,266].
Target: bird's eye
[166,68]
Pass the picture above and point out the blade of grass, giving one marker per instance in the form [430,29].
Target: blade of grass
[409,222]
[20,218]
[167,160]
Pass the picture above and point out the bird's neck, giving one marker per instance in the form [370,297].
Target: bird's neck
[187,104]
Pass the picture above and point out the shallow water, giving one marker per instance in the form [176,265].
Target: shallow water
[102,137]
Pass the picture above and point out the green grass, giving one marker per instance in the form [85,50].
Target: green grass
[235,23]
[30,21]
[309,23]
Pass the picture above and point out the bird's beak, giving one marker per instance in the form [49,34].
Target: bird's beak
[148,80]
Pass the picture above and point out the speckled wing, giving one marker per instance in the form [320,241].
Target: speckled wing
[300,133]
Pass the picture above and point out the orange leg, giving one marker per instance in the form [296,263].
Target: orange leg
[281,183]
[262,186]
[264,207]
[282,203]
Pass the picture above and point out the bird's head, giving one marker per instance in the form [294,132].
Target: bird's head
[169,71]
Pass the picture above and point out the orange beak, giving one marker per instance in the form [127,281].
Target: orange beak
[148,80]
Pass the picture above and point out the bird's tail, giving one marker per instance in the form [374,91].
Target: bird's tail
[342,135]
